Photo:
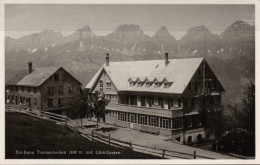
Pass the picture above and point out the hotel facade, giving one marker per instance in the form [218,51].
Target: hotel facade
[159,96]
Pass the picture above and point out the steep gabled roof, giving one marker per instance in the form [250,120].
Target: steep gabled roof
[36,78]
[178,71]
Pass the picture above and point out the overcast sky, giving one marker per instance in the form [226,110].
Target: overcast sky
[103,19]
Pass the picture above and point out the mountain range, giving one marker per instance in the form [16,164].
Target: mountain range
[231,54]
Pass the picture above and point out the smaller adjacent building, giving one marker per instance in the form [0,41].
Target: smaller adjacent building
[51,89]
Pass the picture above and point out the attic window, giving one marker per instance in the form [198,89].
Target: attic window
[139,83]
[215,85]
[64,78]
[147,84]
[156,85]
[56,77]
[199,72]
[109,84]
[166,85]
[190,86]
[131,83]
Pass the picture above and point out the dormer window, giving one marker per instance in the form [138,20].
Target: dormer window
[147,84]
[131,83]
[156,84]
[139,83]
[166,85]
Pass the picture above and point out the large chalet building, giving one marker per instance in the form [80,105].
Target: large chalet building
[159,96]
[50,89]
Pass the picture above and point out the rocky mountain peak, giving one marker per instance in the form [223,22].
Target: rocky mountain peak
[242,25]
[85,28]
[162,32]
[243,29]
[243,21]
[128,28]
[163,28]
[200,28]
[84,32]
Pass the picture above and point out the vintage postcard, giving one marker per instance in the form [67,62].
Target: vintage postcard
[88,82]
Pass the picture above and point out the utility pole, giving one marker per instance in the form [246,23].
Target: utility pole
[183,124]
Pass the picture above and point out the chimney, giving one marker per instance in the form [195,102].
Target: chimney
[107,59]
[166,59]
[30,67]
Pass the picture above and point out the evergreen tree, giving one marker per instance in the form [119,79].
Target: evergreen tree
[99,103]
[81,107]
[215,120]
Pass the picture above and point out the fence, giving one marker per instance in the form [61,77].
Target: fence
[111,141]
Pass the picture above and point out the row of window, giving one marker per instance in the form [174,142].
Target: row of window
[22,89]
[158,101]
[154,121]
[57,77]
[198,85]
[206,101]
[151,120]
[60,101]
[101,85]
[60,89]
[34,89]
[21,100]
[111,97]
[149,84]
[190,123]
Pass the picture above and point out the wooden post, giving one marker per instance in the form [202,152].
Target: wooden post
[155,146]
[163,153]
[92,136]
[194,154]
[109,139]
[130,144]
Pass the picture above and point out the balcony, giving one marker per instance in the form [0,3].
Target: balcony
[169,113]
